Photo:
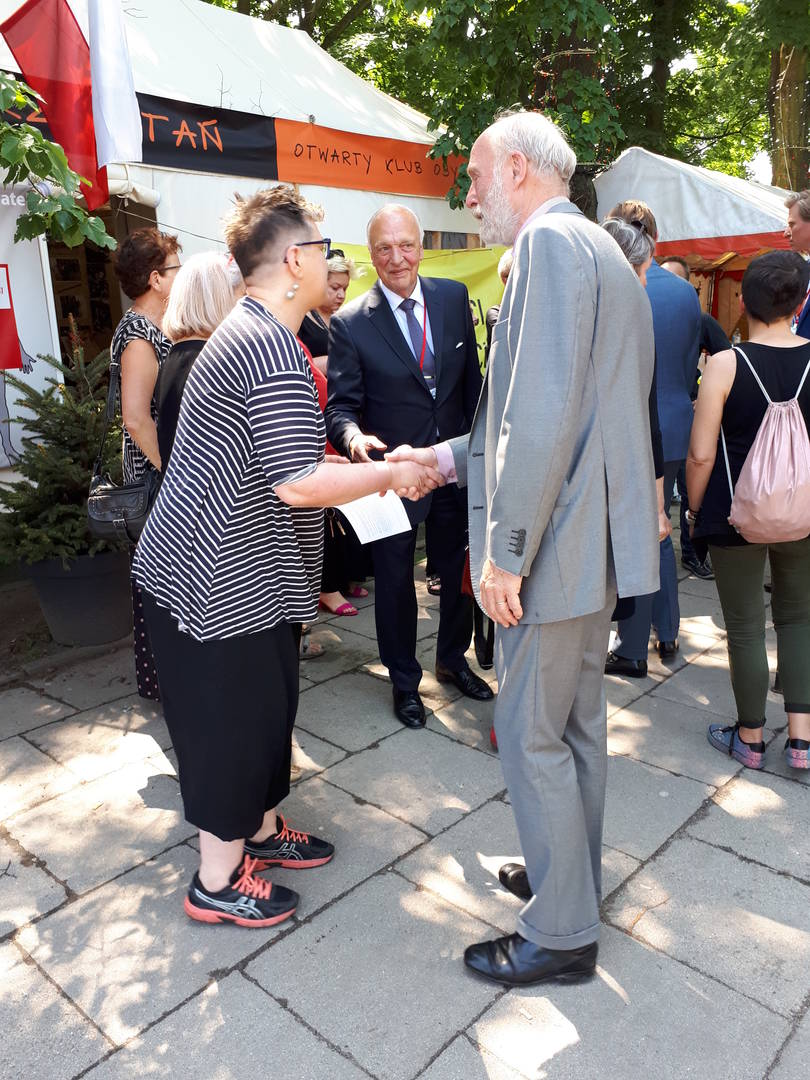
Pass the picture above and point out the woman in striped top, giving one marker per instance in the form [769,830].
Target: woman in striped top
[230,562]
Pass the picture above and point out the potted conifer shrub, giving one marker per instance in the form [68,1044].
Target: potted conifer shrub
[82,583]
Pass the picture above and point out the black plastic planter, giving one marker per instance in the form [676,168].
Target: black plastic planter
[90,602]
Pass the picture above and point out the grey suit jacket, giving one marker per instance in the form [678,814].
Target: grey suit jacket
[558,463]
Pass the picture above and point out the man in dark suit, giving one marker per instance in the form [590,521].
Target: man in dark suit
[798,233]
[676,325]
[403,368]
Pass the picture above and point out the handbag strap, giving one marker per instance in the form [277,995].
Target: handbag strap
[109,411]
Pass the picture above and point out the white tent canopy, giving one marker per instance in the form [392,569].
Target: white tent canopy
[705,215]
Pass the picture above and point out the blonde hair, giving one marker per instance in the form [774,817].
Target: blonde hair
[343,264]
[201,297]
[505,264]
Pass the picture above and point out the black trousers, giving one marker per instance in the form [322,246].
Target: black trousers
[395,605]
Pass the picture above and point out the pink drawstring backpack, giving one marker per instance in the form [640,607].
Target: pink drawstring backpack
[771,503]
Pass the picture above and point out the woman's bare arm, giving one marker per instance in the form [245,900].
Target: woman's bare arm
[139,372]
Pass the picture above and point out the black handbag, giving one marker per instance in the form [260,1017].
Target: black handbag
[118,511]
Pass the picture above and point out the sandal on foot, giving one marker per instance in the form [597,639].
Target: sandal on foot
[357,592]
[342,609]
[728,741]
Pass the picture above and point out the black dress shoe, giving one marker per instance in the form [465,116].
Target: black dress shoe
[408,708]
[517,962]
[667,649]
[468,683]
[622,665]
[513,877]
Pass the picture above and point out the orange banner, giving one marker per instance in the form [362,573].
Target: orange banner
[309,154]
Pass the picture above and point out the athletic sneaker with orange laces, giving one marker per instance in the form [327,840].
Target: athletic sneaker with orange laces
[289,848]
[250,901]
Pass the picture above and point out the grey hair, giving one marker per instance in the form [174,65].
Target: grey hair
[636,243]
[539,140]
[802,199]
[202,295]
[384,210]
[505,264]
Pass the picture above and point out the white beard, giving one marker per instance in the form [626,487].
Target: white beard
[499,222]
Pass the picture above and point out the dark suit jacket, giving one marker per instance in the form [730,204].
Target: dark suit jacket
[803,325]
[676,324]
[375,385]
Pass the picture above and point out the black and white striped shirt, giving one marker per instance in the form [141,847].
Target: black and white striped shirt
[135,327]
[220,550]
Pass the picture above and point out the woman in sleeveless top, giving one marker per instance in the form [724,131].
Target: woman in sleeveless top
[773,287]
[145,265]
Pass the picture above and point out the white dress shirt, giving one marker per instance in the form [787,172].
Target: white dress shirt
[394,299]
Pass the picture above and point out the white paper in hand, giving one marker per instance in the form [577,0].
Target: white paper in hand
[374,517]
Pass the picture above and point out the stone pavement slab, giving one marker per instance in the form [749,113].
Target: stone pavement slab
[427,621]
[353,711]
[238,1031]
[26,891]
[701,615]
[127,952]
[28,777]
[736,921]
[764,818]
[619,691]
[466,720]
[93,682]
[775,764]
[645,805]
[795,1055]
[434,694]
[421,778]
[643,1016]
[691,645]
[393,958]
[43,1034]
[708,686]
[463,1061]
[672,736]
[103,828]
[313,755]
[366,839]
[343,651]
[22,709]
[104,739]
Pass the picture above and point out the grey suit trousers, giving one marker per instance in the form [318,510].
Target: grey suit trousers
[552,739]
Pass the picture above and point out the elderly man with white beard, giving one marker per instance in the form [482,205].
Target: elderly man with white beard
[562,514]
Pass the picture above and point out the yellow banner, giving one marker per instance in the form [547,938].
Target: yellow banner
[476,267]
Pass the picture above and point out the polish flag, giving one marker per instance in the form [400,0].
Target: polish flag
[55,60]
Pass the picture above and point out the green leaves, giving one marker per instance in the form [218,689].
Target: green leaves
[27,157]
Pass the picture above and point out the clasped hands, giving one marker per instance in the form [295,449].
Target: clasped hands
[414,473]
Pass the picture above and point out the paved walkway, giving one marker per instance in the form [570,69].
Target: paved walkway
[705,955]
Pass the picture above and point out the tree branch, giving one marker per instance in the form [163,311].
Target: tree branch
[343,24]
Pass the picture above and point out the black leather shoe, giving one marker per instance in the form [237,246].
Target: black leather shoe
[408,708]
[468,683]
[621,665]
[667,649]
[513,877]
[517,962]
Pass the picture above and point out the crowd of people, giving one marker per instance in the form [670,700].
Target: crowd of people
[267,402]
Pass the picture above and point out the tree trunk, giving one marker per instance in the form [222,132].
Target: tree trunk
[243,7]
[789,115]
[663,51]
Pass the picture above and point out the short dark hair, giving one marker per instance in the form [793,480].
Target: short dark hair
[142,252]
[635,210]
[681,261]
[263,221]
[774,285]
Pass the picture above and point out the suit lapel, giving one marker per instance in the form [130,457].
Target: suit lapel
[435,310]
[382,316]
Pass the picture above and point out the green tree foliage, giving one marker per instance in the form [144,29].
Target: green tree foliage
[46,514]
[27,157]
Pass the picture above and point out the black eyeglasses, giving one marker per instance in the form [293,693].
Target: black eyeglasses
[166,269]
[325,244]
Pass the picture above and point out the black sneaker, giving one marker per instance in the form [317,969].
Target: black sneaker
[697,568]
[289,848]
[250,901]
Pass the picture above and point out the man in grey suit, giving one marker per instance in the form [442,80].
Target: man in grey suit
[563,514]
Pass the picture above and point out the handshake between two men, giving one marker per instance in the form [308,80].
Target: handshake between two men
[499,591]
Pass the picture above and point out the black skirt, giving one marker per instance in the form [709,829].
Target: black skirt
[230,708]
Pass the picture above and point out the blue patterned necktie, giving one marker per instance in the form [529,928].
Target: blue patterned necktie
[416,332]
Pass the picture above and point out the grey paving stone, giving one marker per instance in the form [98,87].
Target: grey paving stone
[43,1034]
[793,1061]
[103,828]
[739,922]
[427,620]
[105,739]
[93,682]
[343,651]
[694,586]
[462,1061]
[434,693]
[353,711]
[620,692]
[366,839]
[775,764]
[127,952]
[644,805]
[25,890]
[764,818]
[420,777]
[706,685]
[467,720]
[670,735]
[616,868]
[643,1016]
[313,755]
[702,615]
[28,777]
[691,645]
[22,709]
[390,955]
[304,684]
[229,1020]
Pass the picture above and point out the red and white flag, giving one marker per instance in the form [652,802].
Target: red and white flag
[55,60]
